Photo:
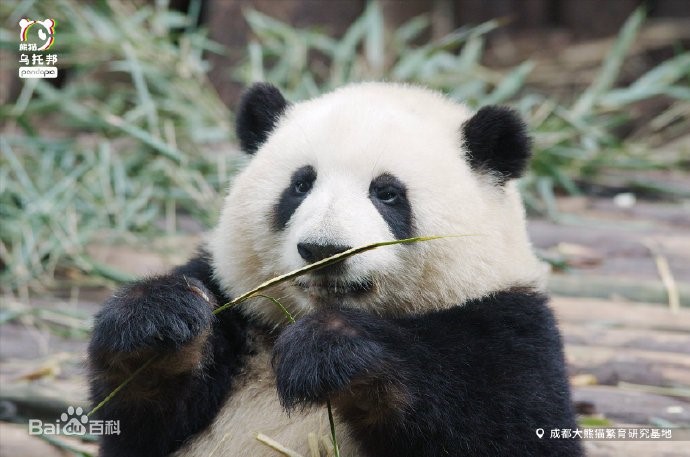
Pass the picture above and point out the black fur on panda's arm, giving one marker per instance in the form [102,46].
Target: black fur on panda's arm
[477,379]
[197,354]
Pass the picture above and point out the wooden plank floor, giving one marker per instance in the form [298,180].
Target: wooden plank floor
[630,364]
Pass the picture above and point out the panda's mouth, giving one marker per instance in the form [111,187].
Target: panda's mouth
[338,288]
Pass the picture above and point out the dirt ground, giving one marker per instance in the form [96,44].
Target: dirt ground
[627,348]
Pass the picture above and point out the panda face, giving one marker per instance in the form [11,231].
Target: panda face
[365,164]
[327,212]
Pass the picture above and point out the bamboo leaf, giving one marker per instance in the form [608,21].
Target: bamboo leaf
[411,30]
[278,304]
[374,47]
[509,86]
[609,72]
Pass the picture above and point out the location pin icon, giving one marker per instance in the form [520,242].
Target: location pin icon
[540,432]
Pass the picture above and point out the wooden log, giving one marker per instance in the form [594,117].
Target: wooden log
[639,290]
[620,314]
[633,407]
[601,334]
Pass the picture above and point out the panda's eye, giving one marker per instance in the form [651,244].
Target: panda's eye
[387,189]
[302,181]
[301,187]
[387,195]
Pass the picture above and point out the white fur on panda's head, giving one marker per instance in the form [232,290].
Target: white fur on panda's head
[367,163]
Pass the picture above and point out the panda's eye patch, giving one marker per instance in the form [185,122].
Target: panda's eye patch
[293,195]
[389,196]
[387,189]
[303,180]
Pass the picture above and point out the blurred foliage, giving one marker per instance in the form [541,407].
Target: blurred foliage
[131,139]
[571,141]
[137,134]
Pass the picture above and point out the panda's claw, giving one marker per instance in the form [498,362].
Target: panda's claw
[320,355]
[160,314]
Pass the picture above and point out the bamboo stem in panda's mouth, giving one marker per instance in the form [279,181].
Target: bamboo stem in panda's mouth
[324,263]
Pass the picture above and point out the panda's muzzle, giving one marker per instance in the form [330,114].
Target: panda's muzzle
[330,281]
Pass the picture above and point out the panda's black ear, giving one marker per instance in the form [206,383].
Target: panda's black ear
[257,115]
[497,142]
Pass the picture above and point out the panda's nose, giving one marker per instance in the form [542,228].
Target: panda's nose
[313,252]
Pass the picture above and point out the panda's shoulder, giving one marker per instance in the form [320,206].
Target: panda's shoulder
[515,304]
[514,314]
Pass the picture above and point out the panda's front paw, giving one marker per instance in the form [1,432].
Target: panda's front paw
[322,353]
[158,314]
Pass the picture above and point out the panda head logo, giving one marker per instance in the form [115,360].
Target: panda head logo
[368,163]
[39,33]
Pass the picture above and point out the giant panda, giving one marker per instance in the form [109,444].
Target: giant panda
[438,348]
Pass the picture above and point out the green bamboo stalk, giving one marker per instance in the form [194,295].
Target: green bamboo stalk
[122,385]
[336,449]
[324,263]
